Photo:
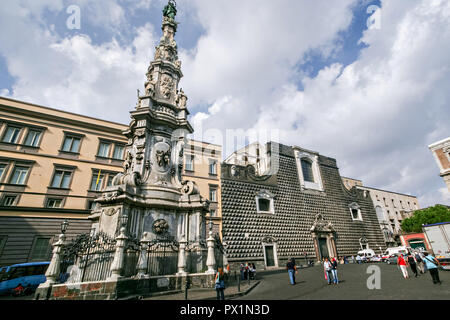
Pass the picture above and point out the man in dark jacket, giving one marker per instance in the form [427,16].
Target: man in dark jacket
[292,269]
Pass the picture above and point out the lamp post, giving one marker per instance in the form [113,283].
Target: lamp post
[64,226]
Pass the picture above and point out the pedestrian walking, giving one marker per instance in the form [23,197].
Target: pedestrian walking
[412,264]
[220,284]
[334,265]
[242,270]
[358,259]
[327,267]
[419,263]
[432,265]
[292,270]
[401,263]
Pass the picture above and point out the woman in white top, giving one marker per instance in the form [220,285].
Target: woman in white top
[327,269]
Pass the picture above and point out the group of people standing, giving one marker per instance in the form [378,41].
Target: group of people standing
[248,270]
[329,266]
[419,262]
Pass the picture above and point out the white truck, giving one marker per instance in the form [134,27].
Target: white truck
[439,238]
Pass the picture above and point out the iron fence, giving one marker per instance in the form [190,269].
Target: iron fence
[87,258]
[162,256]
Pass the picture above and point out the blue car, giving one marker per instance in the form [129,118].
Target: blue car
[28,275]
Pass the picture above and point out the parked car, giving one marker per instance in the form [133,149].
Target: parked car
[375,259]
[392,259]
[28,275]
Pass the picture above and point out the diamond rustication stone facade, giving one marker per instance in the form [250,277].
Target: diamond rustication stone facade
[302,220]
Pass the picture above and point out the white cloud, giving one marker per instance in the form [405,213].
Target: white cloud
[375,116]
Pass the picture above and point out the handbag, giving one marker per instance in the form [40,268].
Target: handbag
[219,284]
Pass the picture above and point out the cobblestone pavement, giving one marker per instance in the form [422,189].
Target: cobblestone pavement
[311,285]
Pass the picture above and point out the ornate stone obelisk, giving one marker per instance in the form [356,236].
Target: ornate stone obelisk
[150,195]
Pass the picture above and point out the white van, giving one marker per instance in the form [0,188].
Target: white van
[390,251]
[368,253]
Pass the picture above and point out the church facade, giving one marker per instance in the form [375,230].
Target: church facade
[299,207]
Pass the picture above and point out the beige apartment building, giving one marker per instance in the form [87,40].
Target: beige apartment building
[54,164]
[391,208]
[441,152]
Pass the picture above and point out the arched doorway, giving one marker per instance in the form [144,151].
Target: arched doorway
[323,234]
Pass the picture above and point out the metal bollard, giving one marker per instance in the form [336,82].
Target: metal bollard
[186,287]
[239,284]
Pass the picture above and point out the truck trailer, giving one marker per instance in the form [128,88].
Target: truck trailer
[438,235]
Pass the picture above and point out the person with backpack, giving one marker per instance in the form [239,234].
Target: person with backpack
[220,284]
[432,265]
[412,264]
[419,263]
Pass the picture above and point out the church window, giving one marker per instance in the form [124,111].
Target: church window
[264,202]
[355,211]
[307,171]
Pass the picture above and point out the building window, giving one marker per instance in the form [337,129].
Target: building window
[393,203]
[9,201]
[264,205]
[71,144]
[380,214]
[118,152]
[213,167]
[213,194]
[189,166]
[54,203]
[110,180]
[3,240]
[62,179]
[401,204]
[264,202]
[33,138]
[19,175]
[12,134]
[2,170]
[97,181]
[103,150]
[355,211]
[91,205]
[213,213]
[41,249]
[385,203]
[307,171]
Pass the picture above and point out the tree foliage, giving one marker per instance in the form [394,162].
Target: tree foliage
[436,214]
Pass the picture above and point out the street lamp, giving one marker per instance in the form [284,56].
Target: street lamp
[64,226]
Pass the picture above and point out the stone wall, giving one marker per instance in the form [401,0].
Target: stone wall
[124,288]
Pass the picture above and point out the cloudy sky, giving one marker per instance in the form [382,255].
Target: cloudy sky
[367,87]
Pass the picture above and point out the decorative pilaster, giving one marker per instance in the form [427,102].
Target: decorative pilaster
[117,264]
[211,260]
[53,271]
[143,258]
[182,257]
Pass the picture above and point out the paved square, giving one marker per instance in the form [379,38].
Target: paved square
[311,284]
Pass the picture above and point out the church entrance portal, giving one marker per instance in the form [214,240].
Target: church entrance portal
[323,248]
